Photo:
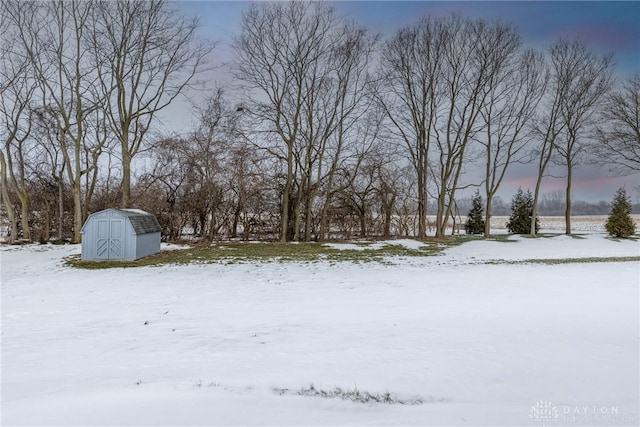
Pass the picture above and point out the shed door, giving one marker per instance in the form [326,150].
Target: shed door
[110,238]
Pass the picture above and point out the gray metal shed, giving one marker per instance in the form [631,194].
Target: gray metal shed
[120,234]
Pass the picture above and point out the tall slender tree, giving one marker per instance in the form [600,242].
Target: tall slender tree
[52,37]
[507,114]
[17,92]
[277,48]
[548,124]
[579,79]
[308,67]
[588,78]
[408,92]
[146,55]
[434,80]
[476,53]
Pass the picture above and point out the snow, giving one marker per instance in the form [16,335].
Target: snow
[138,211]
[558,247]
[480,341]
[366,245]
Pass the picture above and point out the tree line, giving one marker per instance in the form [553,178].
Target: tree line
[328,130]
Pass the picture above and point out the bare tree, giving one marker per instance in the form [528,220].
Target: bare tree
[388,192]
[511,103]
[375,188]
[476,51]
[204,155]
[205,174]
[618,138]
[275,51]
[50,172]
[548,123]
[162,186]
[355,142]
[17,89]
[588,79]
[578,80]
[435,78]
[337,117]
[307,67]
[408,92]
[51,35]
[146,55]
[249,189]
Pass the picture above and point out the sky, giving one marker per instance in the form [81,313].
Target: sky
[607,26]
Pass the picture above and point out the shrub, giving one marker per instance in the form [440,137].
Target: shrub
[619,223]
[521,213]
[475,220]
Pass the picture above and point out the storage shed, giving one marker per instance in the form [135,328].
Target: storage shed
[120,234]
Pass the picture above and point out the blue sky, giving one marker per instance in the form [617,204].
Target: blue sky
[608,26]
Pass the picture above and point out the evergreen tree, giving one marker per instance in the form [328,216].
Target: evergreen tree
[619,223]
[521,213]
[475,221]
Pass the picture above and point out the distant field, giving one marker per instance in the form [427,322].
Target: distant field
[578,223]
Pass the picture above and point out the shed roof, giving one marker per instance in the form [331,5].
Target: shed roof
[141,221]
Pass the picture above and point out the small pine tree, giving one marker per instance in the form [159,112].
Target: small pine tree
[475,221]
[521,213]
[619,223]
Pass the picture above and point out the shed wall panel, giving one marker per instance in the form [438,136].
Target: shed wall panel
[147,244]
[102,227]
[116,238]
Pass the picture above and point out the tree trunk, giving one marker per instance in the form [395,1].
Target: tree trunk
[567,211]
[441,224]
[286,195]
[60,205]
[297,213]
[77,213]
[90,185]
[388,211]
[24,212]
[46,232]
[422,197]
[246,224]
[308,223]
[126,178]
[324,216]
[18,186]
[487,216]
[212,229]
[534,214]
[234,224]
[363,221]
[325,227]
[8,204]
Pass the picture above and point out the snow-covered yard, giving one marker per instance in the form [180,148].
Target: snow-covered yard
[459,339]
